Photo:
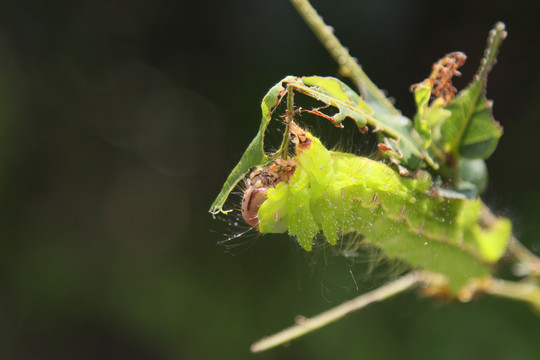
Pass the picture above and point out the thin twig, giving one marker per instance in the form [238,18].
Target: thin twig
[288,119]
[308,325]
[526,258]
[524,291]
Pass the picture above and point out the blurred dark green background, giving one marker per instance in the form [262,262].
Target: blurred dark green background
[119,122]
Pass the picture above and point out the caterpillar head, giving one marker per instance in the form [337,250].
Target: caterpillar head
[254,195]
[260,180]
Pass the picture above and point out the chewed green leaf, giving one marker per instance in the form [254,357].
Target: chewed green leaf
[402,141]
[471,130]
[336,93]
[254,154]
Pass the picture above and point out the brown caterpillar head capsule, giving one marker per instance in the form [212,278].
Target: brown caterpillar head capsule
[251,202]
[258,183]
[260,180]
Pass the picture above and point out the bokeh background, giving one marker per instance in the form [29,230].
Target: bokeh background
[119,122]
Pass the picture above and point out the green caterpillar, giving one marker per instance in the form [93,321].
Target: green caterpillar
[419,205]
[337,193]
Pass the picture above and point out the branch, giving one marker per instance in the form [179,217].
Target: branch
[525,257]
[523,290]
[308,325]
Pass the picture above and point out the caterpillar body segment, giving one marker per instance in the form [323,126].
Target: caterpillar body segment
[337,193]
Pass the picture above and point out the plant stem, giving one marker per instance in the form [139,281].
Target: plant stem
[524,291]
[308,325]
[288,119]
[348,65]
[525,257]
[496,37]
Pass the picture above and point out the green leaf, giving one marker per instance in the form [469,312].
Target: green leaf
[254,154]
[334,92]
[482,135]
[402,142]
[471,131]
